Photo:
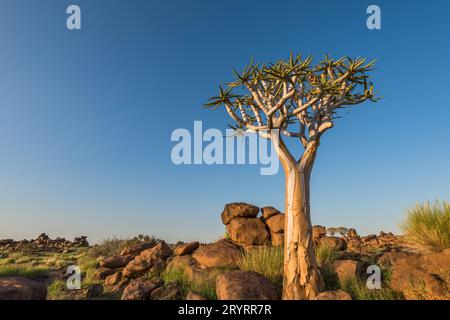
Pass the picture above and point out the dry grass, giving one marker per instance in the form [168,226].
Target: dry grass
[266,260]
[428,225]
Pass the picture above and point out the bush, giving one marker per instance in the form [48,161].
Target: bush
[428,225]
[326,256]
[113,246]
[266,260]
[57,290]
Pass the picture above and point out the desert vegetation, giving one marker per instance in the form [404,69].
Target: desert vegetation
[246,264]
[428,225]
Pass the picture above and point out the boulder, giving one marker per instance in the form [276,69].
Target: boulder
[222,254]
[135,249]
[140,289]
[191,295]
[318,232]
[347,269]
[268,212]
[113,279]
[170,291]
[355,245]
[102,273]
[146,260]
[277,239]
[17,288]
[387,259]
[352,234]
[192,270]
[186,248]
[248,231]
[333,295]
[115,262]
[424,276]
[336,243]
[276,223]
[238,210]
[93,290]
[245,285]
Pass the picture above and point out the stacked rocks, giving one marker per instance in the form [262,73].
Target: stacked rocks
[42,243]
[245,228]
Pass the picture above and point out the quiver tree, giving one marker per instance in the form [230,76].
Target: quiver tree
[296,99]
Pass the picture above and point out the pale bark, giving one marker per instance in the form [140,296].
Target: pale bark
[301,275]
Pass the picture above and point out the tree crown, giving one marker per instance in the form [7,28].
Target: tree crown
[294,92]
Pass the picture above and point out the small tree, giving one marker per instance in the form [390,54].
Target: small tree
[293,98]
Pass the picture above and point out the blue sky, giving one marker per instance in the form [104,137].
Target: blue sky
[86,116]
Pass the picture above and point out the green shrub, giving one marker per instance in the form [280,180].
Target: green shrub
[326,256]
[357,288]
[206,289]
[113,246]
[428,225]
[266,260]
[57,290]
[110,247]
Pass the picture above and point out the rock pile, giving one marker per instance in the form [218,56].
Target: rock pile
[246,229]
[135,271]
[42,243]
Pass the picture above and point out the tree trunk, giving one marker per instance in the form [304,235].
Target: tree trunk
[301,275]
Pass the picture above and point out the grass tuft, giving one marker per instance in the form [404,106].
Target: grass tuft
[266,260]
[358,290]
[207,289]
[428,225]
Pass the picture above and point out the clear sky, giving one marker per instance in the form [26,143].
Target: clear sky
[86,116]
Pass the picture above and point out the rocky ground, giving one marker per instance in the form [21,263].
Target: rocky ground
[151,269]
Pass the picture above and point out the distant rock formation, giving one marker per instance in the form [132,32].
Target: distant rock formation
[42,243]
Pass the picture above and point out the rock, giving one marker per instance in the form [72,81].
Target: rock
[352,234]
[170,291]
[186,248]
[355,245]
[192,270]
[318,232]
[118,287]
[191,295]
[223,254]
[424,276]
[277,239]
[102,273]
[387,259]
[94,290]
[276,223]
[244,285]
[81,241]
[347,269]
[136,249]
[140,289]
[159,266]
[268,212]
[336,243]
[17,288]
[113,279]
[248,231]
[115,262]
[238,210]
[146,260]
[333,295]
